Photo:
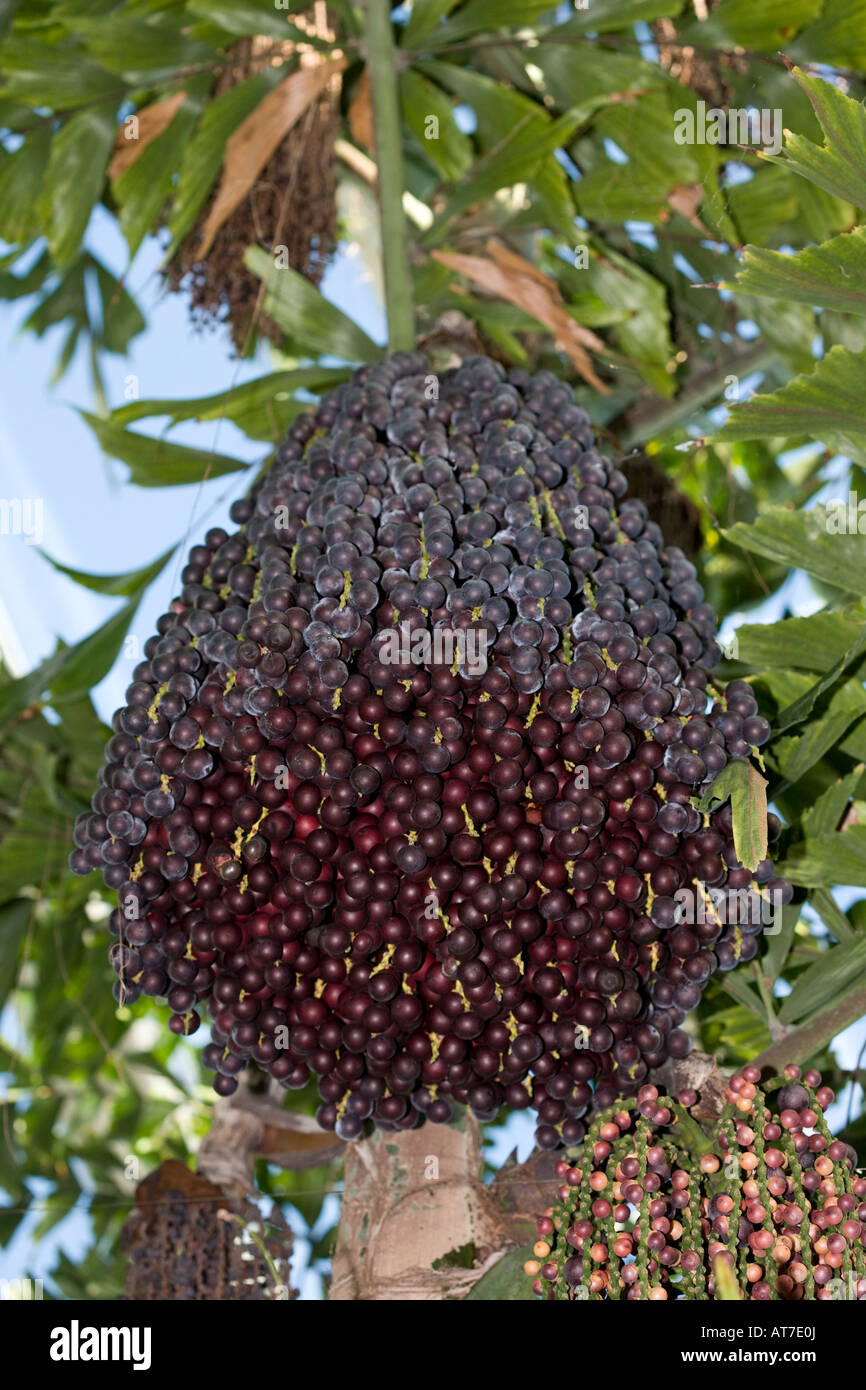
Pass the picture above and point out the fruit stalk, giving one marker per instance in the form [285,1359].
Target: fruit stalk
[381,65]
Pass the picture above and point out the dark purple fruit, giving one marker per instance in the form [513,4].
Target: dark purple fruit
[402,789]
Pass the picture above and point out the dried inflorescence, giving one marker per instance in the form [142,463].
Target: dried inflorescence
[655,1203]
[290,209]
[185,1240]
[404,786]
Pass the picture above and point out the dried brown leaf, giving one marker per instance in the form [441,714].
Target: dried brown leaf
[686,201]
[258,137]
[361,115]
[152,121]
[519,282]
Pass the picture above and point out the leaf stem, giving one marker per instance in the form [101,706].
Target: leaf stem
[654,419]
[766,997]
[381,65]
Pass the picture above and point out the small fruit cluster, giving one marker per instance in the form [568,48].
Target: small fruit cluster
[656,1206]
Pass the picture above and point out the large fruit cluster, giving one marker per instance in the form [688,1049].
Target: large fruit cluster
[658,1206]
[404,784]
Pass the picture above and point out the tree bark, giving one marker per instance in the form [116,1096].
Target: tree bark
[248,1126]
[413,1201]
